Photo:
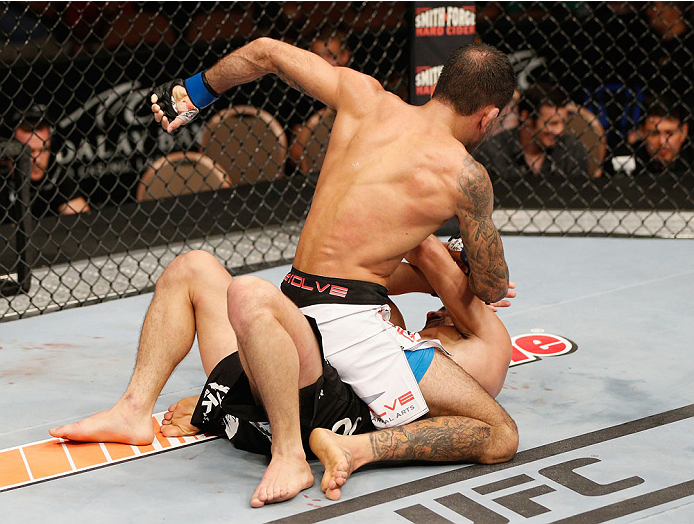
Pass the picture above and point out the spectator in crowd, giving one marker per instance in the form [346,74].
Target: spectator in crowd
[331,45]
[670,45]
[538,146]
[52,192]
[509,118]
[662,142]
[27,30]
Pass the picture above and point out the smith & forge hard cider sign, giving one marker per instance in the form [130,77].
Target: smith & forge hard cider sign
[438,28]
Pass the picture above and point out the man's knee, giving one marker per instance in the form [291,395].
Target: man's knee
[248,297]
[503,443]
[191,268]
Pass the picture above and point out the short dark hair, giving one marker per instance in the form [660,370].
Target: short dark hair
[540,95]
[665,105]
[476,76]
[32,118]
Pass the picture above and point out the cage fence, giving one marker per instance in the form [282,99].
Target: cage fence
[96,199]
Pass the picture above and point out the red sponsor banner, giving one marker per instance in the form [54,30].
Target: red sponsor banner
[532,346]
[438,28]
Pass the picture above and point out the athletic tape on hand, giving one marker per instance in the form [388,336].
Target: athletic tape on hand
[455,243]
[166,101]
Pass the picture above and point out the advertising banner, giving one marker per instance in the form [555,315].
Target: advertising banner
[438,29]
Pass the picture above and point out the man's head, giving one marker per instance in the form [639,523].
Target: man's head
[667,19]
[477,80]
[543,114]
[34,130]
[332,47]
[438,318]
[663,130]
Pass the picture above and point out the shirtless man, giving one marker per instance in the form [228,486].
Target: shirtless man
[472,334]
[393,174]
[190,298]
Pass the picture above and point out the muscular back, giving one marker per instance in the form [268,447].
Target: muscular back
[388,181]
[392,175]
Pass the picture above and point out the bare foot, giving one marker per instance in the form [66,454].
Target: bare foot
[283,479]
[337,460]
[176,422]
[117,424]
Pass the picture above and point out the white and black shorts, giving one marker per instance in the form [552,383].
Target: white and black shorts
[226,406]
[369,353]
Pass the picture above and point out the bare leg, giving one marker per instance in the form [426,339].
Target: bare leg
[190,295]
[176,422]
[480,431]
[268,323]
[485,352]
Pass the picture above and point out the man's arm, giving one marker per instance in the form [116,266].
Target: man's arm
[435,264]
[409,278]
[337,87]
[488,269]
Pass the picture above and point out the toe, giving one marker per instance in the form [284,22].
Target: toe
[333,494]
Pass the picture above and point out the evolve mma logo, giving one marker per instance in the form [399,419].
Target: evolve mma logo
[448,20]
[531,346]
[302,283]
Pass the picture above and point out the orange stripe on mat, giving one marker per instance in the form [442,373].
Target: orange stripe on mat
[119,451]
[12,468]
[85,454]
[165,442]
[145,449]
[51,458]
[47,459]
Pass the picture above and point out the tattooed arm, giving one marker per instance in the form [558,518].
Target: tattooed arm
[488,270]
[335,86]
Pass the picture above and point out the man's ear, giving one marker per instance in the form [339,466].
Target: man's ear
[685,128]
[488,116]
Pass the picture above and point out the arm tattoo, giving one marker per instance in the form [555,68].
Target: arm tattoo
[292,83]
[434,439]
[488,270]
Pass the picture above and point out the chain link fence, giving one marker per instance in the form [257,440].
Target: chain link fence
[99,200]
[621,161]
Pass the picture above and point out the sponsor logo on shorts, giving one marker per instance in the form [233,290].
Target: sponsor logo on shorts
[327,288]
[264,428]
[396,410]
[212,397]
[346,425]
[410,336]
[530,347]
[231,426]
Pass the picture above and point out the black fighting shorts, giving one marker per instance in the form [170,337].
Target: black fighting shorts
[227,406]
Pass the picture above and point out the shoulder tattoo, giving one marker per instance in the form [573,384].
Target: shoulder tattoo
[475,188]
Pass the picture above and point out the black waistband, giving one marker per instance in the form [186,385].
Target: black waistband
[305,289]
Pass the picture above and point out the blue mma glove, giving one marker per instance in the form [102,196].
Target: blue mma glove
[199,92]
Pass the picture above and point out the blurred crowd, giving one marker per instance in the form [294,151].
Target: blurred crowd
[605,89]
